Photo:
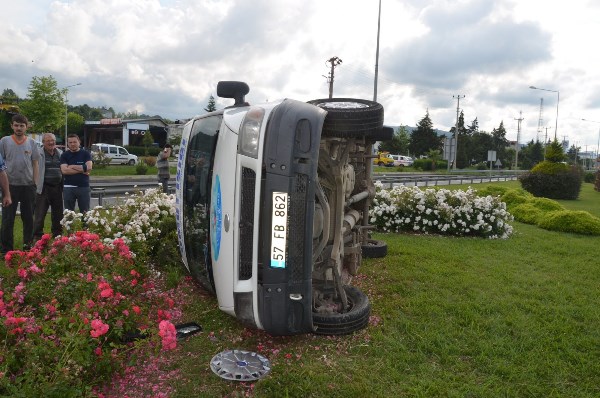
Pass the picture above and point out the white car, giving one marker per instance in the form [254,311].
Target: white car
[402,161]
[117,154]
[272,206]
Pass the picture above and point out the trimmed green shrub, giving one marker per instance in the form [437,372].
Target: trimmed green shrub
[589,177]
[552,180]
[527,213]
[546,204]
[579,222]
[550,168]
[141,168]
[423,164]
[492,190]
[515,197]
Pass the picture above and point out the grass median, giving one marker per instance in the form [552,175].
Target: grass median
[450,317]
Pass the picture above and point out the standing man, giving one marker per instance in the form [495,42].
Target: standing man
[49,189]
[21,155]
[162,163]
[76,164]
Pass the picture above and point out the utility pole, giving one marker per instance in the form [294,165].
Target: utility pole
[377,55]
[519,120]
[335,61]
[540,121]
[458,97]
[546,143]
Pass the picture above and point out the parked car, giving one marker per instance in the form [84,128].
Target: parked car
[272,205]
[117,154]
[402,161]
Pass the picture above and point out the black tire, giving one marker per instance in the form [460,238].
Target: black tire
[350,118]
[131,162]
[383,134]
[349,322]
[380,164]
[374,249]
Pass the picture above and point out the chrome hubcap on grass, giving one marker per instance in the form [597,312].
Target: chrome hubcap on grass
[240,365]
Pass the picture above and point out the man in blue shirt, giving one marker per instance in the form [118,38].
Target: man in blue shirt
[76,164]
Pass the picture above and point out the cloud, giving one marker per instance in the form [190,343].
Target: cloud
[465,40]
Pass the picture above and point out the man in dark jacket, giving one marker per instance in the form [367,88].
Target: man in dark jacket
[49,189]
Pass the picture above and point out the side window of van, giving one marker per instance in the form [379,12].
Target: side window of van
[113,150]
[104,149]
[122,151]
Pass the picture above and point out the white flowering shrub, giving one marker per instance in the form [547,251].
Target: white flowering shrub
[137,220]
[439,211]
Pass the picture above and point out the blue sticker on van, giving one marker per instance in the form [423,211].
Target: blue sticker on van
[216,218]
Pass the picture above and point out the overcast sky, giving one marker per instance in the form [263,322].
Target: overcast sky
[166,56]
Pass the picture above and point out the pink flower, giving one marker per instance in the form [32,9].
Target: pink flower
[98,351]
[105,290]
[126,312]
[163,314]
[136,309]
[14,321]
[134,282]
[35,269]
[22,273]
[170,302]
[99,328]
[166,330]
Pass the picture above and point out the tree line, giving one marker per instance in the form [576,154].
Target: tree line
[45,106]
[473,144]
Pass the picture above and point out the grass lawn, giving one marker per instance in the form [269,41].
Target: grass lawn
[450,317]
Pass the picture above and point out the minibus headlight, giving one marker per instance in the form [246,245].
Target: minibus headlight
[250,132]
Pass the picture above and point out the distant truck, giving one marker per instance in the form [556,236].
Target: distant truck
[384,159]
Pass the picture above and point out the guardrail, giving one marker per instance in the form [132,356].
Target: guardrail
[455,178]
[104,187]
[101,188]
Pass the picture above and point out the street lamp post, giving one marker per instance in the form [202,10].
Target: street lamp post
[557,101]
[67,107]
[598,147]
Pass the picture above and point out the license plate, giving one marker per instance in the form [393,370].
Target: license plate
[279,229]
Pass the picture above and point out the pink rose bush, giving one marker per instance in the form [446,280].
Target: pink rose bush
[137,222]
[67,307]
[168,335]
